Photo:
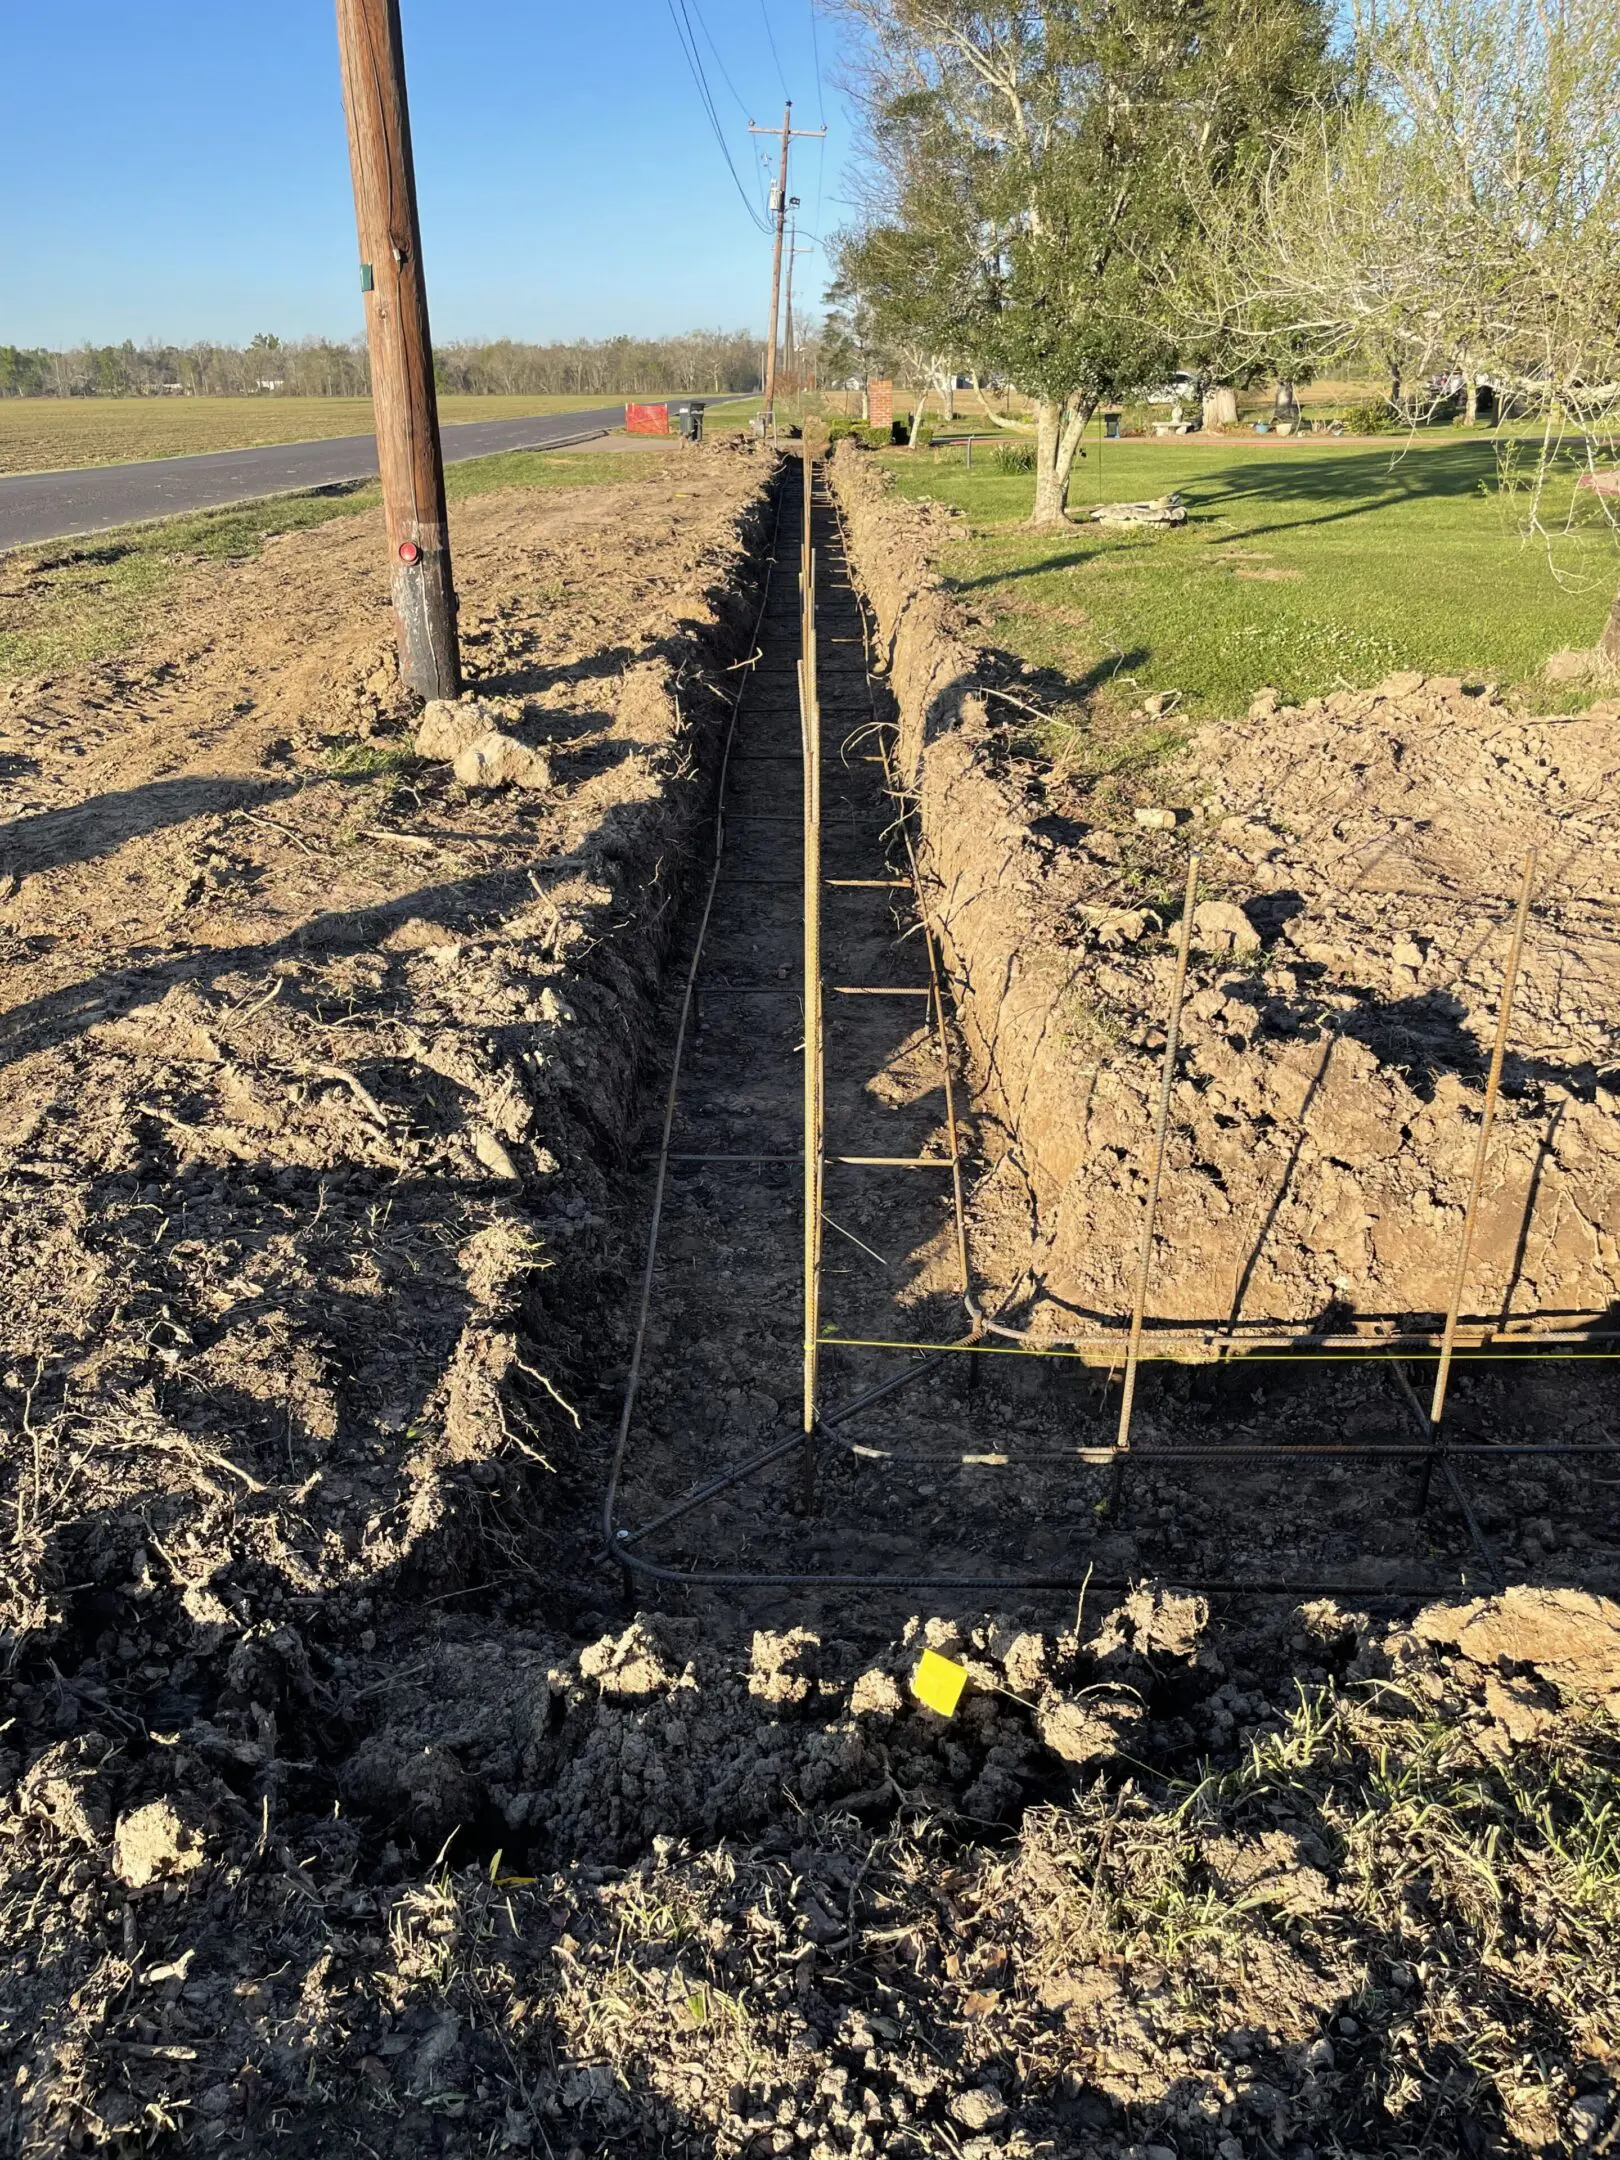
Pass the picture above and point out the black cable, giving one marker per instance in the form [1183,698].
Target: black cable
[821,119]
[770,38]
[687,39]
[737,98]
[725,73]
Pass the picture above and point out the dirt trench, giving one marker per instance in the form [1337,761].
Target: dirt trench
[342,1813]
[958,1474]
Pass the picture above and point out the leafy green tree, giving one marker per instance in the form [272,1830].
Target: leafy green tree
[1460,215]
[1034,165]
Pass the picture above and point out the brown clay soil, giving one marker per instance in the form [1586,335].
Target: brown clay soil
[341,1813]
[1360,858]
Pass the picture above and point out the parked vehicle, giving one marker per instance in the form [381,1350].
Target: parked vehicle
[1182,389]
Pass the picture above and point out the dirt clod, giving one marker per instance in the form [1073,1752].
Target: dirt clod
[447,726]
[1569,1637]
[1220,927]
[154,1842]
[495,760]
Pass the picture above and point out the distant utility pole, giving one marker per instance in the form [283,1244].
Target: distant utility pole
[789,352]
[787,319]
[779,210]
[402,395]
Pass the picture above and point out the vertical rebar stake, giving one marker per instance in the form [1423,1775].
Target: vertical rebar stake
[1161,1128]
[810,730]
[1493,1083]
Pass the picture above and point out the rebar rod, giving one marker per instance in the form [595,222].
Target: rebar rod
[1465,1249]
[810,728]
[1193,1346]
[1459,1492]
[1161,1129]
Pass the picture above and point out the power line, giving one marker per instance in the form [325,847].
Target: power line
[815,54]
[770,37]
[725,73]
[821,115]
[687,39]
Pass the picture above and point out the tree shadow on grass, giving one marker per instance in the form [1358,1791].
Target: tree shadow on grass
[1075,559]
[1358,486]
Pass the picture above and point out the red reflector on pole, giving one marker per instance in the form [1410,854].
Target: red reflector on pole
[408,551]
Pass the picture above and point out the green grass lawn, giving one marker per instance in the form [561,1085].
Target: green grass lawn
[1311,568]
[69,602]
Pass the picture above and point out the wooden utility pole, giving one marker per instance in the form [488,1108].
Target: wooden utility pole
[779,211]
[790,361]
[787,319]
[402,394]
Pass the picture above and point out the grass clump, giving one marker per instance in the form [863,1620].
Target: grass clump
[1094,747]
[1406,1931]
[1089,1027]
[361,760]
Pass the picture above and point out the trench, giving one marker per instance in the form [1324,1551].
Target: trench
[954,1467]
[942,1469]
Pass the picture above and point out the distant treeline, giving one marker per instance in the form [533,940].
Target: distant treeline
[316,367]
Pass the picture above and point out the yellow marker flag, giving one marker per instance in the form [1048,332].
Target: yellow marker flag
[938,1683]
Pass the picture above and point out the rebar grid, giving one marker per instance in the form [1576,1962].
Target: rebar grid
[1221,1342]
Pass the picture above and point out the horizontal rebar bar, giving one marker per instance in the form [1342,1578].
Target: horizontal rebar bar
[734,1158]
[1081,1579]
[1087,1349]
[1101,1457]
[894,1162]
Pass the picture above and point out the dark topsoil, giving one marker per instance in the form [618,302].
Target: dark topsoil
[343,1814]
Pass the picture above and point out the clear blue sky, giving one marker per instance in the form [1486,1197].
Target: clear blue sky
[179,171]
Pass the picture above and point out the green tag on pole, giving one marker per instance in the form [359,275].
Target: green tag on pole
[367,282]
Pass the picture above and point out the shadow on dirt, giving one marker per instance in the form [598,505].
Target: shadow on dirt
[84,830]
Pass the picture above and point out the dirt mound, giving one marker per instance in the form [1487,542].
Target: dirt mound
[313,1062]
[670,1730]
[315,1068]
[735,1890]
[1360,857]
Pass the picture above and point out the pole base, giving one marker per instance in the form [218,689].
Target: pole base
[425,614]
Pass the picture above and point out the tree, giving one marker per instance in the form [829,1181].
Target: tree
[1027,171]
[1461,214]
[895,275]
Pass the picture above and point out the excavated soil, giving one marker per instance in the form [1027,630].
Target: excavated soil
[1360,859]
[339,1812]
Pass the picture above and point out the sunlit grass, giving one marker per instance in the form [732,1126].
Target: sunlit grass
[1311,568]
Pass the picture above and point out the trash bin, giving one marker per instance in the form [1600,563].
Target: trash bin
[1111,426]
[688,419]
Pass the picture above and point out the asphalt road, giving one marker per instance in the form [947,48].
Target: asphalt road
[63,505]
